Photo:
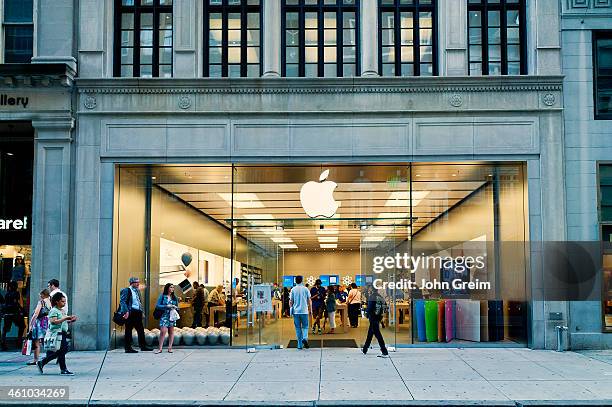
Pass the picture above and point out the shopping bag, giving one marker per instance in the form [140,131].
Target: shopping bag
[174,316]
[52,341]
[26,349]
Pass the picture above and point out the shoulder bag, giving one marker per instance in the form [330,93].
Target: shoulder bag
[52,341]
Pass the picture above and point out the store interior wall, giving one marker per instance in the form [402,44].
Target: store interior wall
[343,263]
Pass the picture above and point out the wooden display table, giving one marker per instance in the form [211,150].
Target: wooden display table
[212,311]
[400,307]
[342,309]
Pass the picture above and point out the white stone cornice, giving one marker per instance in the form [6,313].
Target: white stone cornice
[321,85]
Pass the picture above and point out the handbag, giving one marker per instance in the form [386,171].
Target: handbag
[26,349]
[118,318]
[157,313]
[174,316]
[52,341]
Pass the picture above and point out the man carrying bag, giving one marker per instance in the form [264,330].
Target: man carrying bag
[131,306]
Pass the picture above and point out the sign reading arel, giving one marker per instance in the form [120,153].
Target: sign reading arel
[7,100]
[14,224]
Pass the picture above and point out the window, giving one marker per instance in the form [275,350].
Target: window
[143,38]
[602,54]
[232,38]
[320,38]
[407,38]
[18,31]
[496,36]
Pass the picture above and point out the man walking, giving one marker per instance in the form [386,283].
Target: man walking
[300,305]
[317,294]
[130,305]
[375,310]
[54,287]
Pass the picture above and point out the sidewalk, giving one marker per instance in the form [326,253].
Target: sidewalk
[421,376]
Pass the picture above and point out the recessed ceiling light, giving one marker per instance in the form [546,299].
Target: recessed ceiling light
[329,246]
[328,239]
[418,175]
[402,198]
[288,246]
[393,215]
[153,178]
[281,239]
[242,200]
[454,175]
[327,231]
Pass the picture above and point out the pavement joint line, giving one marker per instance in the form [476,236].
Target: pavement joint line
[160,375]
[320,372]
[241,373]
[401,377]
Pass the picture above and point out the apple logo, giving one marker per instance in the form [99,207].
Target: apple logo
[318,197]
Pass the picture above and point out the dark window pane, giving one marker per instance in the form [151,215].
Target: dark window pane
[253,71]
[475,36]
[426,70]
[426,54]
[165,21]
[165,38]
[407,70]
[388,70]
[127,71]
[214,71]
[146,38]
[146,21]
[292,37]
[127,21]
[311,70]
[291,70]
[494,36]
[603,73]
[146,55]
[330,70]
[165,56]
[475,20]
[18,44]
[127,56]
[494,19]
[514,68]
[165,71]
[387,20]
[475,68]
[475,53]
[146,71]
[495,68]
[214,55]
[18,11]
[233,71]
[348,70]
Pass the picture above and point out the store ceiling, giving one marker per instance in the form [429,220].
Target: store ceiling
[374,200]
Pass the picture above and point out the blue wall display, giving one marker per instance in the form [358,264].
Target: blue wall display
[288,281]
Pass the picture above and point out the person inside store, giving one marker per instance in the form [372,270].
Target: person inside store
[375,311]
[341,294]
[216,298]
[286,308]
[301,307]
[354,305]
[167,305]
[54,287]
[330,309]
[58,326]
[131,306]
[317,294]
[197,302]
[18,272]
[39,324]
[13,314]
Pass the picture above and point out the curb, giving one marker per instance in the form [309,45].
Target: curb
[322,403]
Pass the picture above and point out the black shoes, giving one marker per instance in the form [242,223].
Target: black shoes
[384,356]
[305,344]
[40,367]
[67,373]
[131,350]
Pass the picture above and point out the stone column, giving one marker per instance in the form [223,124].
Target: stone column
[272,39]
[452,38]
[93,28]
[185,29]
[55,32]
[51,204]
[548,40]
[369,37]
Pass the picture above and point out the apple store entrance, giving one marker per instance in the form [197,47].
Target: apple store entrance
[444,244]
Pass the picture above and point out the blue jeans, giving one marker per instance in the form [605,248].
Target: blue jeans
[301,328]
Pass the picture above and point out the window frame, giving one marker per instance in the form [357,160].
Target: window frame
[503,7]
[339,8]
[415,8]
[136,10]
[597,35]
[225,9]
[606,248]
[15,24]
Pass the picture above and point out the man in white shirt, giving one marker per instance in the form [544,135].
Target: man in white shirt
[53,286]
[300,304]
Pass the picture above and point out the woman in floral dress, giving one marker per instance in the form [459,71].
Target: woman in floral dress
[39,324]
[167,302]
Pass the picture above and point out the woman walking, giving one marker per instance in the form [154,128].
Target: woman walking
[58,326]
[39,324]
[166,303]
[354,305]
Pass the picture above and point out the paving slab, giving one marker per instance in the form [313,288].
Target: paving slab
[279,391]
[282,372]
[543,390]
[186,390]
[513,370]
[364,390]
[454,390]
[435,370]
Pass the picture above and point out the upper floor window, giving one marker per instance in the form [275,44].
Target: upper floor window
[497,37]
[407,38]
[602,55]
[18,31]
[320,38]
[143,38]
[232,38]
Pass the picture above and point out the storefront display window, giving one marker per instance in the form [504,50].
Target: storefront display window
[444,244]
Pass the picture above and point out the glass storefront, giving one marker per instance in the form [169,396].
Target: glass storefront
[443,243]
[16,187]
